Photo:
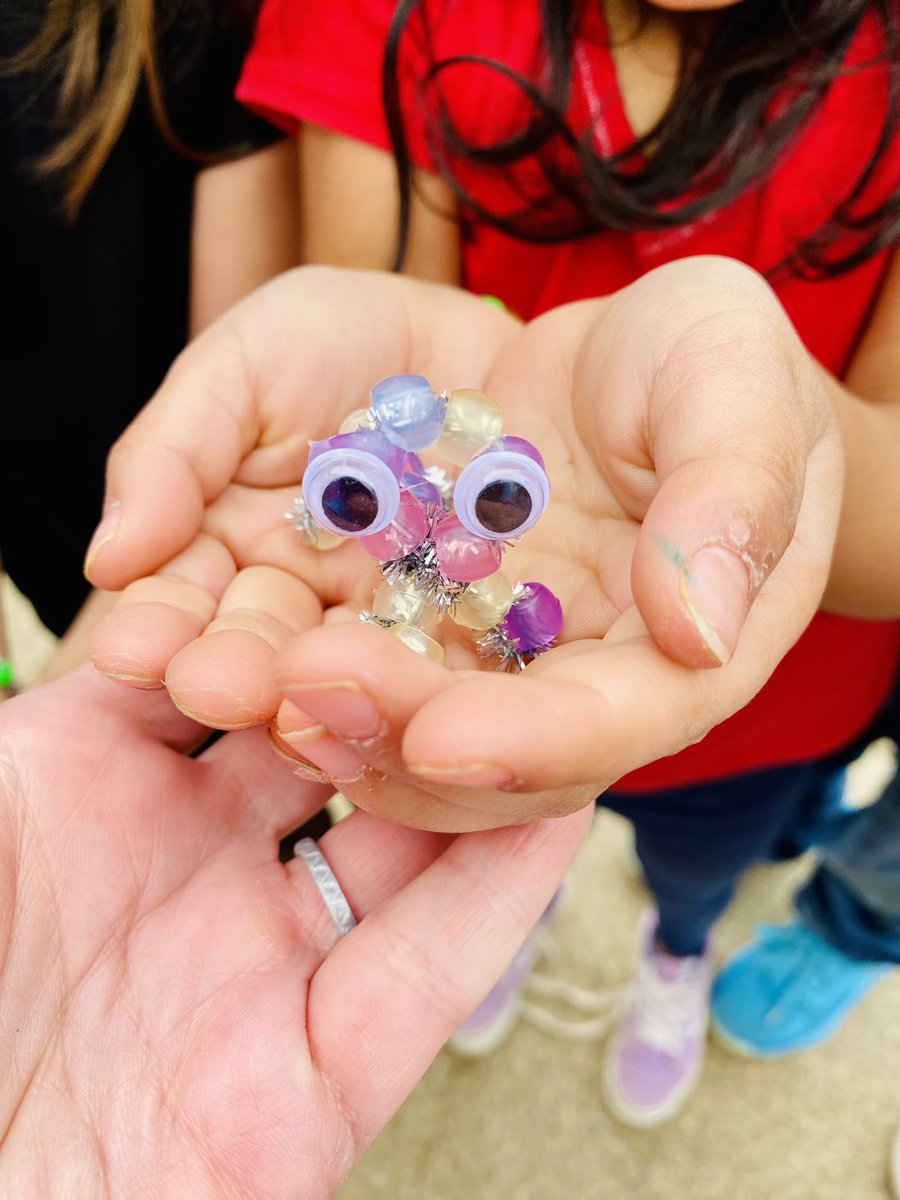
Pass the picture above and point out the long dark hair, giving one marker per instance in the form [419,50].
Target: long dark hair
[98,53]
[704,151]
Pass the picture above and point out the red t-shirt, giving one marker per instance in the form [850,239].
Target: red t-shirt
[319,62]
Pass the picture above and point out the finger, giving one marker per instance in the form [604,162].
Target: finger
[721,404]
[226,678]
[588,717]
[372,860]
[97,712]
[257,789]
[159,615]
[359,688]
[394,796]
[712,538]
[592,712]
[245,397]
[361,684]
[419,964]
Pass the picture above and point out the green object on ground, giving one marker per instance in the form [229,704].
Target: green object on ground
[6,673]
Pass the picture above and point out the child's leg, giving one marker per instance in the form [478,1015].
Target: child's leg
[693,845]
[853,899]
[792,986]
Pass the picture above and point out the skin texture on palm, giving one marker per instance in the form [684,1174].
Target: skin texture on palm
[176,1010]
[696,477]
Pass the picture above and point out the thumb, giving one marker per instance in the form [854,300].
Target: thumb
[738,428]
[709,540]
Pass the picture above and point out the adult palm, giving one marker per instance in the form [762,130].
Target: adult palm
[177,1020]
[696,489]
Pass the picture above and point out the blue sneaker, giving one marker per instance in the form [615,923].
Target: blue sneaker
[786,991]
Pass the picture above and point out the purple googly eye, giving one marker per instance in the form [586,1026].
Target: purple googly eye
[351,484]
[503,491]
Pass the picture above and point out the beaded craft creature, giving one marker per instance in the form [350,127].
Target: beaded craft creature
[439,542]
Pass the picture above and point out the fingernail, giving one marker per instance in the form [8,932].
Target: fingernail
[301,768]
[715,588]
[339,762]
[342,706]
[296,726]
[481,775]
[103,534]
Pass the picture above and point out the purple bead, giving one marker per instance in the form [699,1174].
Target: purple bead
[423,489]
[416,482]
[407,408]
[517,445]
[535,619]
[372,441]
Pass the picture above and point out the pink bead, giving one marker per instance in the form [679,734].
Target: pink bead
[464,556]
[404,534]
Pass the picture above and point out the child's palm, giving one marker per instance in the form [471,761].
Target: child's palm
[669,423]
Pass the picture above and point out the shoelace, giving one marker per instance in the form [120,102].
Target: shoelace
[602,1006]
[668,1011]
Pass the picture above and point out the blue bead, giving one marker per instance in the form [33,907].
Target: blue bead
[408,410]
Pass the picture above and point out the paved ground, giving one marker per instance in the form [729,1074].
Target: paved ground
[528,1124]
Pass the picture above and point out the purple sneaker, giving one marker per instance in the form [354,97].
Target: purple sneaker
[657,1051]
[495,1017]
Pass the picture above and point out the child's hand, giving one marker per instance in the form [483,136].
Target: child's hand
[198,486]
[696,475]
[679,416]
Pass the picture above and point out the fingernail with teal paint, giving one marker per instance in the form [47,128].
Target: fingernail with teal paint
[715,589]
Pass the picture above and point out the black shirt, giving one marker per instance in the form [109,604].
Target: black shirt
[96,310]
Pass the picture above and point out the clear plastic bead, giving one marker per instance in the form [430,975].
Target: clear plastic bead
[358,419]
[472,421]
[419,641]
[485,602]
[324,539]
[406,606]
[407,409]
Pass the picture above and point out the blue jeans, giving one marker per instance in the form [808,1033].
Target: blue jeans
[694,843]
[853,898]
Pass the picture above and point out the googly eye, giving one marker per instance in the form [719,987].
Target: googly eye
[351,484]
[503,491]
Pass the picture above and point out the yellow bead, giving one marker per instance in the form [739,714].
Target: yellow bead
[471,422]
[406,606]
[358,419]
[418,641]
[485,602]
